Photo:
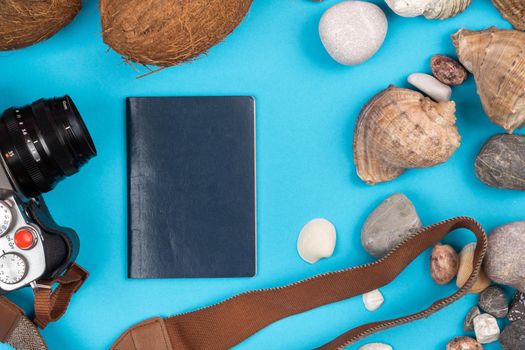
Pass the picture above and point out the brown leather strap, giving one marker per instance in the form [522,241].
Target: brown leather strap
[51,305]
[17,330]
[228,323]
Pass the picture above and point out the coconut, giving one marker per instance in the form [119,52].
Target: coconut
[26,22]
[166,32]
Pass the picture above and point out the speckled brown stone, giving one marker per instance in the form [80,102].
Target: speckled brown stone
[501,162]
[517,307]
[464,343]
[447,70]
[494,301]
[444,264]
[468,323]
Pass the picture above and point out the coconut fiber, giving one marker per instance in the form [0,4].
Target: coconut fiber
[25,22]
[168,32]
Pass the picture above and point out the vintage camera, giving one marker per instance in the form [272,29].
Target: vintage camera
[40,144]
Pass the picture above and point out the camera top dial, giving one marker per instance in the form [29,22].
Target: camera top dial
[6,217]
[13,268]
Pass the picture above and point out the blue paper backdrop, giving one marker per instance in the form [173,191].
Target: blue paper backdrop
[306,108]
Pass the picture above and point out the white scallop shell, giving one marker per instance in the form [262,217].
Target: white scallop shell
[316,240]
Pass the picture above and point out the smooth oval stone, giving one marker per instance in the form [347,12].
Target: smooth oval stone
[353,31]
[389,224]
[486,328]
[468,323]
[447,70]
[504,262]
[501,162]
[517,307]
[432,87]
[376,346]
[464,343]
[513,336]
[466,261]
[494,301]
[444,264]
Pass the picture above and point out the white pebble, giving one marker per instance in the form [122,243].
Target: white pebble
[376,346]
[432,87]
[353,31]
[373,300]
[486,328]
[316,240]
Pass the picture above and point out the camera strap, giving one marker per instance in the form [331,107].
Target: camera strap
[50,305]
[228,323]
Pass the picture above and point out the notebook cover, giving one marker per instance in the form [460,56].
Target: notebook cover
[191,187]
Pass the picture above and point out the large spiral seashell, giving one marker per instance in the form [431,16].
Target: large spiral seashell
[431,9]
[400,129]
[513,11]
[496,57]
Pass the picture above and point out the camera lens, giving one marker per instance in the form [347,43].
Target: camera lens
[43,143]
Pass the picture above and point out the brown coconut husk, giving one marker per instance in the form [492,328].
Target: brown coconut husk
[26,22]
[168,32]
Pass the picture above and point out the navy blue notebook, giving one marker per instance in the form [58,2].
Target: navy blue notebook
[191,187]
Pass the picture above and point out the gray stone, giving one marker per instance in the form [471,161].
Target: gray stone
[513,336]
[504,262]
[517,307]
[486,328]
[468,323]
[501,162]
[389,224]
[494,301]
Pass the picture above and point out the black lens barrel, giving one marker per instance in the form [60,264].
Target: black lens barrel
[44,142]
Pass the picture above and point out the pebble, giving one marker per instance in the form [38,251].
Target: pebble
[373,300]
[486,328]
[517,307]
[353,31]
[513,336]
[447,70]
[504,262]
[389,224]
[432,87]
[444,264]
[316,240]
[494,301]
[468,323]
[466,259]
[501,163]
[376,346]
[464,343]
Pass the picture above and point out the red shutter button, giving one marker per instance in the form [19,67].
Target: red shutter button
[24,238]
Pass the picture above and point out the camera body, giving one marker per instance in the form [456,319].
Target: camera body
[40,144]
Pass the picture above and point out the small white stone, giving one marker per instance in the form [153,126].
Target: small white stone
[432,87]
[316,240]
[353,31]
[486,328]
[373,300]
[376,346]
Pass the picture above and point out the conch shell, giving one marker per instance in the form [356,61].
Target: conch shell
[513,11]
[431,9]
[496,57]
[400,129]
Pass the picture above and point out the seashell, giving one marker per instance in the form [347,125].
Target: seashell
[432,87]
[513,11]
[486,328]
[444,263]
[400,129]
[373,300]
[316,240]
[495,57]
[466,259]
[431,9]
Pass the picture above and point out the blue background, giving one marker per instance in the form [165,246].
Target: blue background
[306,108]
